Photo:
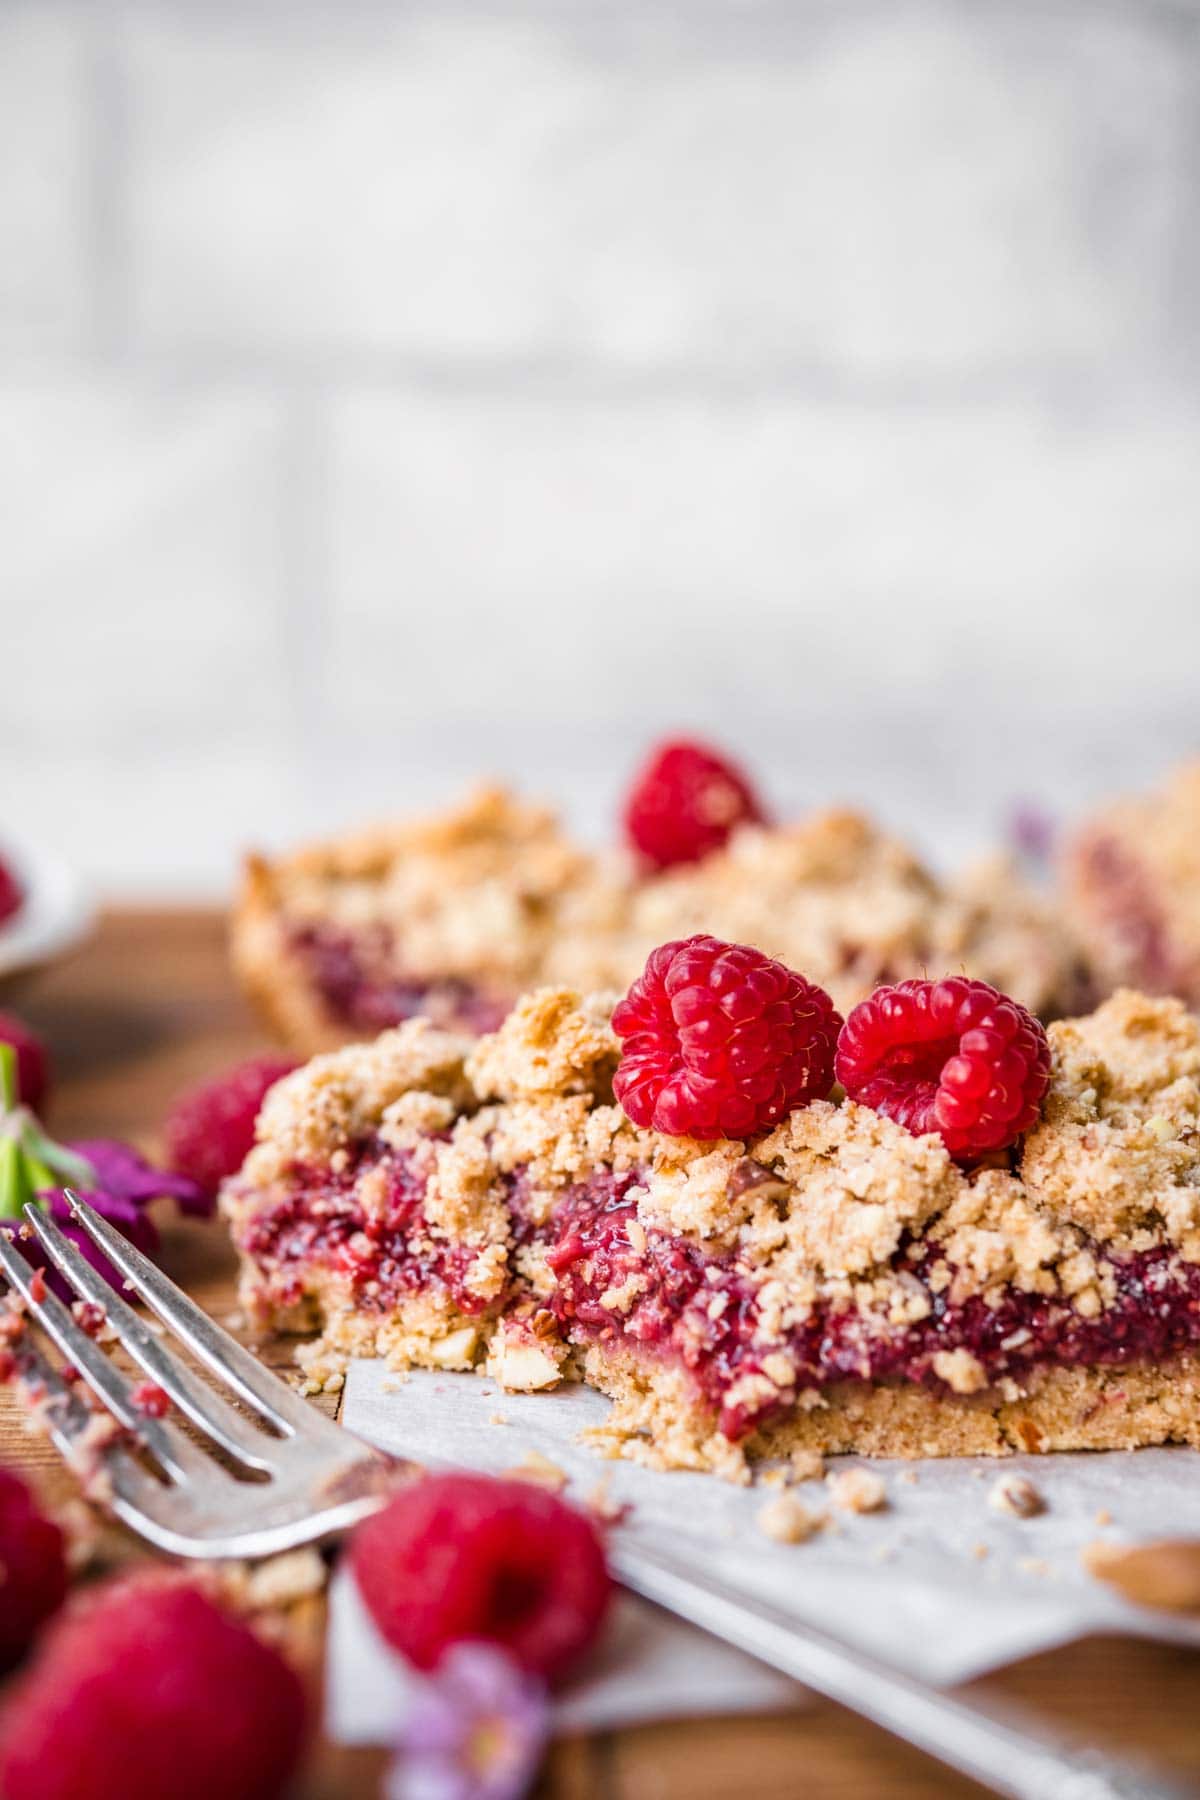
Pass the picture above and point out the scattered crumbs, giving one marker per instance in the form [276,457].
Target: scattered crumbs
[858,1491]
[806,1465]
[981,1552]
[883,1553]
[1017,1496]
[772,1478]
[787,1521]
[977,1474]
[1104,1517]
[498,1418]
[537,1468]
[1033,1565]
[910,1477]
[391,1384]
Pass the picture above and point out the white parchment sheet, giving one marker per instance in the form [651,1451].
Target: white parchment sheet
[909,1583]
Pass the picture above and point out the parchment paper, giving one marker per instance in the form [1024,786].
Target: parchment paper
[939,1583]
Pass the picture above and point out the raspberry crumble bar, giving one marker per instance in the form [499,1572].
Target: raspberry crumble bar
[455,918]
[1132,876]
[833,1283]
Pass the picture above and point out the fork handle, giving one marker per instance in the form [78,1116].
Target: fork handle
[1003,1754]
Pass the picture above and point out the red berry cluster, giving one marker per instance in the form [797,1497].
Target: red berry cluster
[719,1040]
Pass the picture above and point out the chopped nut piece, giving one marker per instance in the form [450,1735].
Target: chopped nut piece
[858,1491]
[787,1521]
[1165,1574]
[1104,1517]
[522,1368]
[1017,1495]
[498,1418]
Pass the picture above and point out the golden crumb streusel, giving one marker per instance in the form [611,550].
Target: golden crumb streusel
[453,1190]
[456,917]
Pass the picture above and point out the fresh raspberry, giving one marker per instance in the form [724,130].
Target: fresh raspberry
[721,1041]
[210,1129]
[33,1567]
[12,894]
[955,1056]
[685,802]
[457,1557]
[151,1689]
[33,1064]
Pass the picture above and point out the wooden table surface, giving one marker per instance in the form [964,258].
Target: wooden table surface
[147,1007]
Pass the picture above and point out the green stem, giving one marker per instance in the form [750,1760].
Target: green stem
[15,1188]
[8,1078]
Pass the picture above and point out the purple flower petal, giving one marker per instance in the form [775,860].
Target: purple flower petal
[476,1731]
[124,1173]
[129,1220]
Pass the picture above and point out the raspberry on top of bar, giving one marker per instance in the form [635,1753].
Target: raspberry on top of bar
[834,1282]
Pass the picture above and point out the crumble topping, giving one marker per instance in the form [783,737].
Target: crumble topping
[550,1043]
[1118,1149]
[458,916]
[320,1109]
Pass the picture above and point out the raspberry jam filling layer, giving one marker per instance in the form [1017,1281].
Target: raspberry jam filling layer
[358,976]
[386,1251]
[659,1295]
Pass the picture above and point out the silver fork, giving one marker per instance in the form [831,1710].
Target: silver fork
[318,1481]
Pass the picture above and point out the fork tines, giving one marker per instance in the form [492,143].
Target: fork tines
[289,1459]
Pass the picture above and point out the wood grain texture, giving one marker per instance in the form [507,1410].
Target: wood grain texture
[148,1007]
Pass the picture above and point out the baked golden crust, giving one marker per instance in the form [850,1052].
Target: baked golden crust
[1131,876]
[456,916]
[835,1283]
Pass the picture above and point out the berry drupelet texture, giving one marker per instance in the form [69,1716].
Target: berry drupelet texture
[719,1040]
[956,1057]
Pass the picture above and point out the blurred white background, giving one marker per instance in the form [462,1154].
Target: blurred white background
[390,392]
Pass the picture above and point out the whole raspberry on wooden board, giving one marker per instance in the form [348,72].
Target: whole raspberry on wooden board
[719,1040]
[955,1057]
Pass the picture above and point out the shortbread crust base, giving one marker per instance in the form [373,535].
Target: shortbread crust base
[657,1421]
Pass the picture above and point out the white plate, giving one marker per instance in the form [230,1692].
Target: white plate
[56,913]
